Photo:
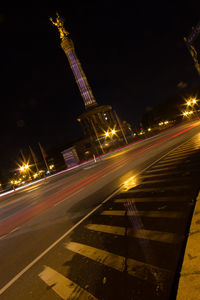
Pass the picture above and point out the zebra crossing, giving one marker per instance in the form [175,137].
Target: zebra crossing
[131,247]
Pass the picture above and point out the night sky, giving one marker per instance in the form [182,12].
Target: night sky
[132,52]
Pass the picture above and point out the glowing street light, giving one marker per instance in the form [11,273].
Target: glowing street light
[186,113]
[107,134]
[194,101]
[188,103]
[22,168]
[191,102]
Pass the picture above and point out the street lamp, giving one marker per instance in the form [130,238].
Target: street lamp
[22,168]
[188,103]
[186,113]
[192,102]
[107,134]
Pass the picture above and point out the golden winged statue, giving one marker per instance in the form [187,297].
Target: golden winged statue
[59,23]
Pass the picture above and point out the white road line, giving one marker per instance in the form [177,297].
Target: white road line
[156,214]
[169,163]
[159,168]
[144,213]
[150,199]
[118,230]
[153,235]
[109,259]
[12,231]
[18,275]
[175,158]
[158,174]
[135,268]
[63,286]
[185,151]
[113,213]
[157,189]
[146,271]
[161,180]
[164,172]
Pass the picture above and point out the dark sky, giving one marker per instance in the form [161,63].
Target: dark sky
[133,55]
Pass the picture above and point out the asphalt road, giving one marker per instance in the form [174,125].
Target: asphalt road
[35,221]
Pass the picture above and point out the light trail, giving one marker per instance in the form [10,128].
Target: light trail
[27,214]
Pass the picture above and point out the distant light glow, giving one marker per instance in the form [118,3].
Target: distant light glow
[194,101]
[188,103]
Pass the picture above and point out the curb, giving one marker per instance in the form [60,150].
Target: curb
[189,282]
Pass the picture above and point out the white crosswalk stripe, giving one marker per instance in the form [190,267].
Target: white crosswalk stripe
[64,287]
[149,199]
[134,267]
[144,213]
[153,235]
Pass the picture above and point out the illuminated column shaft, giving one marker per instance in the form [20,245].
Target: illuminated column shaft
[81,80]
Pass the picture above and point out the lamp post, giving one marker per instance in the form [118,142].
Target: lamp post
[25,168]
[110,135]
[192,102]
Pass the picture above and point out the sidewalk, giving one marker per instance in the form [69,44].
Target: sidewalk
[189,282]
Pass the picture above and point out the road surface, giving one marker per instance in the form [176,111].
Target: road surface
[46,248]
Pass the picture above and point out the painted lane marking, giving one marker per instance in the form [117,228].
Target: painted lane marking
[118,230]
[39,208]
[169,163]
[151,199]
[63,286]
[176,157]
[120,263]
[159,168]
[162,171]
[33,262]
[147,272]
[7,234]
[153,235]
[167,180]
[157,189]
[113,213]
[184,151]
[149,214]
[156,214]
[109,259]
[156,174]
[170,159]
